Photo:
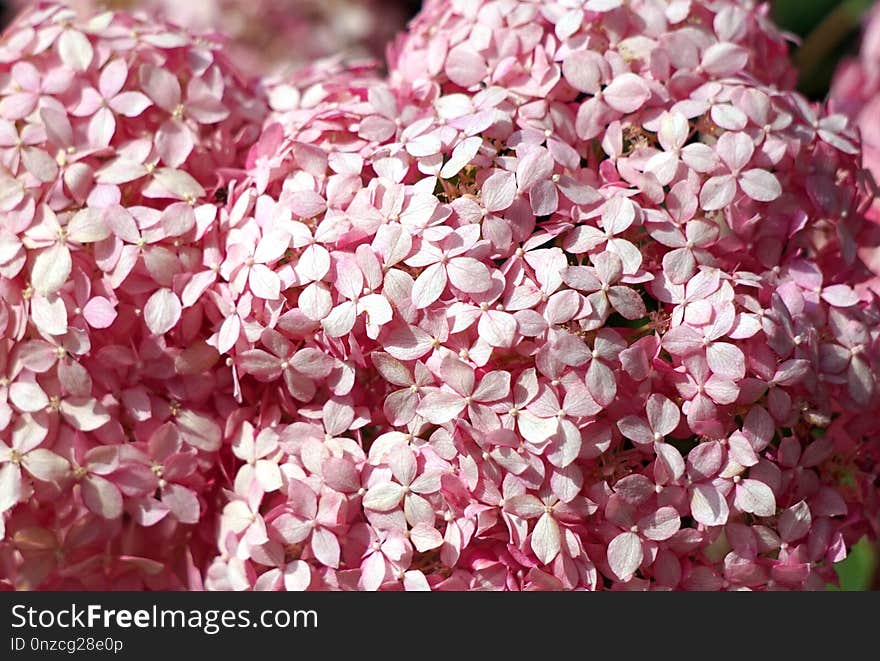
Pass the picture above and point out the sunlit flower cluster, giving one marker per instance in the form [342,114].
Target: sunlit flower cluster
[571,299]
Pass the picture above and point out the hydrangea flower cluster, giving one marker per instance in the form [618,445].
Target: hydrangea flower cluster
[115,134]
[261,35]
[570,299]
[855,91]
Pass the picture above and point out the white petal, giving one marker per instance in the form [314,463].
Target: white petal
[51,269]
[625,555]
[546,539]
[162,311]
[383,497]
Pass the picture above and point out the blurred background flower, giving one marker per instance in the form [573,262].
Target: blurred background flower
[836,47]
[265,36]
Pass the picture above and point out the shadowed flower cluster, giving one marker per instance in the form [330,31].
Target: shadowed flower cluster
[571,299]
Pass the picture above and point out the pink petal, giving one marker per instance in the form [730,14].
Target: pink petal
[102,126]
[297,576]
[312,362]
[581,278]
[402,463]
[699,157]
[525,506]
[724,59]
[383,497]
[17,106]
[545,540]
[315,301]
[196,287]
[534,429]
[760,185]
[228,334]
[102,497]
[462,154]
[88,226]
[84,413]
[45,465]
[663,165]
[663,414]
[161,86]
[718,192]
[536,165]
[627,302]
[705,460]
[130,104]
[430,285]
[669,465]
[708,506]
[722,390]
[626,93]
[414,580]
[497,328]
[400,407]
[199,431]
[75,50]
[682,341]
[794,522]
[726,360]
[408,342]
[583,70]
[49,314]
[162,311]
[601,383]
[373,571]
[635,429]
[735,149]
[40,164]
[51,269]
[840,296]
[660,525]
[618,215]
[264,283]
[544,198]
[178,219]
[439,406]
[679,265]
[499,190]
[313,263]
[341,319]
[755,497]
[325,546]
[10,486]
[182,502]
[28,396]
[174,142]
[425,537]
[625,555]
[609,266]
[493,386]
[464,66]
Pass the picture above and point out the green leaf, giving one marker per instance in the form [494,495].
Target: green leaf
[857,572]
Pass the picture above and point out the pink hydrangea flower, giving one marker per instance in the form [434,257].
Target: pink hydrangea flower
[539,309]
[855,93]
